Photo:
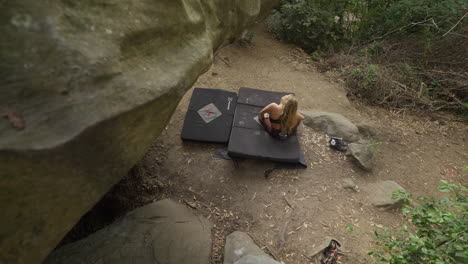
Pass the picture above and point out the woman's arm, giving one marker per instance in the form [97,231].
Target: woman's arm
[264,116]
[268,109]
[299,120]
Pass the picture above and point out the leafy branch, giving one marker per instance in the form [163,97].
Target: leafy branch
[439,231]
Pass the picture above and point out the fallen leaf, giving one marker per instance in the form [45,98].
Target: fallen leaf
[191,204]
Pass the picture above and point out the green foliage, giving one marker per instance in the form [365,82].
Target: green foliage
[426,17]
[366,76]
[311,24]
[439,231]
[375,146]
[324,24]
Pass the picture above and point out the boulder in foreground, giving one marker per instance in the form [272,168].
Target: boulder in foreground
[86,87]
[163,232]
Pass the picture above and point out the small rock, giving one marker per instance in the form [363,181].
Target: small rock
[240,245]
[299,66]
[316,251]
[249,259]
[349,184]
[333,124]
[380,194]
[366,129]
[362,153]
[319,249]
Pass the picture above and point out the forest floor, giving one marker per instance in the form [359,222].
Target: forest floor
[292,212]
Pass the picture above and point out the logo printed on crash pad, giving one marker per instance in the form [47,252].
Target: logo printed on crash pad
[209,113]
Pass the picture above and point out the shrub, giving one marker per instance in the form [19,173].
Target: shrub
[422,67]
[310,24]
[403,17]
[324,24]
[439,231]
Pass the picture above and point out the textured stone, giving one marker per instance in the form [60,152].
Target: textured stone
[249,259]
[315,251]
[91,84]
[362,153]
[163,232]
[380,194]
[366,129]
[349,184]
[331,123]
[239,245]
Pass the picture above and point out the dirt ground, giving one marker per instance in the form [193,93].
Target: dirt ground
[293,211]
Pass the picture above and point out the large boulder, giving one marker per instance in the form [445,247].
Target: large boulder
[85,88]
[163,232]
[331,123]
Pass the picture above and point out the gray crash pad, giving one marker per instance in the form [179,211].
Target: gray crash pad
[250,140]
[209,115]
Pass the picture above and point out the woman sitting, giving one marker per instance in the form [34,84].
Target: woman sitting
[281,120]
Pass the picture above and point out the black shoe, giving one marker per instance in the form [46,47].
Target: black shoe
[337,144]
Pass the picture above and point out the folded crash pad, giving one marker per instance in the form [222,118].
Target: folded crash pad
[209,116]
[250,140]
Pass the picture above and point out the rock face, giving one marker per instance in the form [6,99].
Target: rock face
[241,249]
[249,259]
[86,87]
[380,194]
[163,232]
[331,123]
[362,153]
[366,129]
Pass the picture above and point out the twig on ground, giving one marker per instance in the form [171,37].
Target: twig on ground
[282,235]
[270,251]
[456,24]
[412,24]
[225,61]
[287,201]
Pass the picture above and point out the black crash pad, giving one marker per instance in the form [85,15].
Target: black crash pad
[209,116]
[250,140]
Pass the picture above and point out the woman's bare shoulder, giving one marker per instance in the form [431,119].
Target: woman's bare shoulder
[300,116]
[273,106]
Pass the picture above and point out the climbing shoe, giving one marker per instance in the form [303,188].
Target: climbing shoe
[338,144]
[330,254]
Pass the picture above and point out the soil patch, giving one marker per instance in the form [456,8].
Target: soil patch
[292,212]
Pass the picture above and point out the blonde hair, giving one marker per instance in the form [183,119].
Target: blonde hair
[289,116]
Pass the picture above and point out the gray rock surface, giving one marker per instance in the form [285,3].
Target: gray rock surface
[239,245]
[380,194]
[362,153]
[331,123]
[163,232]
[349,184]
[249,259]
[87,86]
[366,129]
[317,250]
